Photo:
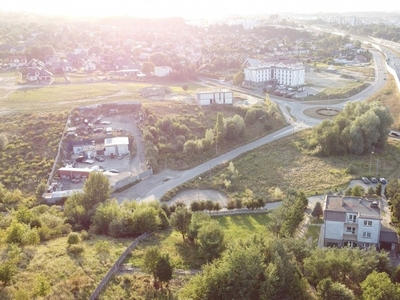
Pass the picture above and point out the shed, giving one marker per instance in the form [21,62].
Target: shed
[116,146]
[219,96]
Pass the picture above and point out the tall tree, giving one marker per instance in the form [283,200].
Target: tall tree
[180,220]
[211,240]
[317,211]
[378,286]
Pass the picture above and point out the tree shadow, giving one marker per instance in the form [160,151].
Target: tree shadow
[189,252]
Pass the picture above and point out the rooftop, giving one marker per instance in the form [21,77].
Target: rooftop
[352,205]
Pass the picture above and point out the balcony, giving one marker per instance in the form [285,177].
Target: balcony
[350,237]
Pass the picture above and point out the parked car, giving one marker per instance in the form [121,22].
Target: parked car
[365,180]
[374,180]
[99,158]
[121,156]
[80,158]
[394,133]
[113,171]
[98,129]
[88,161]
[105,122]
[382,180]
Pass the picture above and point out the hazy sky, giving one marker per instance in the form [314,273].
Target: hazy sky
[193,8]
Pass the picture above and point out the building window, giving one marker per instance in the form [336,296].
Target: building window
[367,235]
[367,223]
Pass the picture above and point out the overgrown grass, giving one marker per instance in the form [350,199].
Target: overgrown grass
[282,164]
[185,255]
[71,276]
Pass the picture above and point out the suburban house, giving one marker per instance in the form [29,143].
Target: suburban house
[355,222]
[17,61]
[35,63]
[38,74]
[260,73]
[89,66]
[220,96]
[162,71]
[116,146]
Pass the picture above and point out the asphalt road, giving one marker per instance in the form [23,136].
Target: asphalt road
[293,112]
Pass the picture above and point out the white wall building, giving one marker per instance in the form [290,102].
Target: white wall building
[162,71]
[220,96]
[354,222]
[116,146]
[274,73]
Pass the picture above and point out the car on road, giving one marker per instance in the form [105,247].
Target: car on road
[98,129]
[105,122]
[382,180]
[80,158]
[99,158]
[365,180]
[374,180]
[88,161]
[394,133]
[113,171]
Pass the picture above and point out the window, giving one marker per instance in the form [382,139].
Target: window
[367,235]
[367,223]
[348,229]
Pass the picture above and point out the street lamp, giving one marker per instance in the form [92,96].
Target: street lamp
[198,189]
[370,159]
[258,123]
[377,166]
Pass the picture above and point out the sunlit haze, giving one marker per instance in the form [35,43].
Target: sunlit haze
[193,9]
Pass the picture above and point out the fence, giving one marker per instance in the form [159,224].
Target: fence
[241,211]
[116,265]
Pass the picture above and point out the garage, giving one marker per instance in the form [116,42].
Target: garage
[116,146]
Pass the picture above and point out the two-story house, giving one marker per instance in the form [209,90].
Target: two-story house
[355,222]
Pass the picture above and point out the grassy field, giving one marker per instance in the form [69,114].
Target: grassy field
[71,276]
[184,254]
[69,96]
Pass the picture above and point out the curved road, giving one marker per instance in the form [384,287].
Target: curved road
[146,191]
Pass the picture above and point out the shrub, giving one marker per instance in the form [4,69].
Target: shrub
[73,238]
[75,249]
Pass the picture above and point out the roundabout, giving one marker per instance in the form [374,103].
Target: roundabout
[321,112]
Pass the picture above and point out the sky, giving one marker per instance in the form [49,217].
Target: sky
[193,9]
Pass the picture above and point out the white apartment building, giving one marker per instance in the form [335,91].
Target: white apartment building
[291,75]
[355,222]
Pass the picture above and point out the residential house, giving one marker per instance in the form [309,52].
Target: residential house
[17,61]
[355,222]
[162,71]
[218,96]
[89,66]
[38,74]
[52,60]
[35,63]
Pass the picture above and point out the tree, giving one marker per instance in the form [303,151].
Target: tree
[159,59]
[238,78]
[95,49]
[197,220]
[96,190]
[185,87]
[317,211]
[164,269]
[378,189]
[42,287]
[150,260]
[148,68]
[157,265]
[211,240]
[329,290]
[180,220]
[276,221]
[378,286]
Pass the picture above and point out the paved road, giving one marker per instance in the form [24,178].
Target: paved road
[154,188]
